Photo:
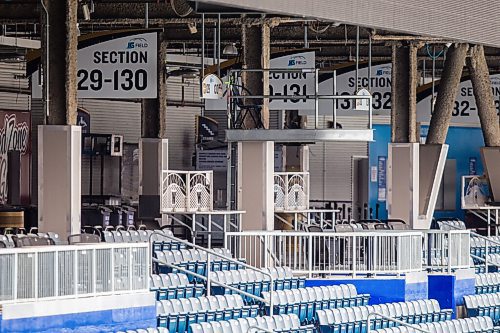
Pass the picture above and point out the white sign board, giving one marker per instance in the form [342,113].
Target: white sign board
[212,87]
[284,83]
[345,84]
[216,159]
[124,67]
[293,82]
[465,109]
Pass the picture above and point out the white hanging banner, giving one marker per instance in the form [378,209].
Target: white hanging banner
[212,87]
[293,82]
[465,109]
[116,68]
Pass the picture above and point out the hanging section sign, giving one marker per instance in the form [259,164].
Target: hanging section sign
[115,66]
[465,109]
[297,77]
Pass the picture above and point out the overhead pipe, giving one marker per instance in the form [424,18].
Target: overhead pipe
[357,58]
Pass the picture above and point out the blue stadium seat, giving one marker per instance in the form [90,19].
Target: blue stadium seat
[277,323]
[304,302]
[353,319]
[178,314]
[174,286]
[467,325]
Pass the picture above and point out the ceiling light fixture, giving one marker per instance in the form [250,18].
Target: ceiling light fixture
[230,50]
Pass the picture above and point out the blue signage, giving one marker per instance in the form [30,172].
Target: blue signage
[472,166]
[381,175]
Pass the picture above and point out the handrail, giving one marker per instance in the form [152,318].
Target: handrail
[202,277]
[209,251]
[373,314]
[258,328]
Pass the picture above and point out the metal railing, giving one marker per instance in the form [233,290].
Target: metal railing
[69,271]
[291,191]
[324,253]
[186,191]
[208,278]
[446,250]
[210,225]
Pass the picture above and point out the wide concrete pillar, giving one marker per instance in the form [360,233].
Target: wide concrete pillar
[59,142]
[59,179]
[256,55]
[403,182]
[404,94]
[256,184]
[153,146]
[447,93]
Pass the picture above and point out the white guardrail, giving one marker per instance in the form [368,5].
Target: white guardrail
[311,253]
[70,271]
[186,191]
[446,250]
[291,191]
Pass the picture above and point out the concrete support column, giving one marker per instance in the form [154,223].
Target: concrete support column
[153,146]
[154,111]
[481,84]
[59,179]
[59,142]
[255,184]
[256,55]
[62,48]
[404,94]
[447,93]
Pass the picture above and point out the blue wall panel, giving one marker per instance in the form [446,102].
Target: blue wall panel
[88,322]
[381,290]
[464,143]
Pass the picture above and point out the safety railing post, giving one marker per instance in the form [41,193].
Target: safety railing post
[310,255]
[209,281]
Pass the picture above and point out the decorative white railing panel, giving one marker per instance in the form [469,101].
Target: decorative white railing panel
[319,253]
[68,271]
[186,191]
[291,191]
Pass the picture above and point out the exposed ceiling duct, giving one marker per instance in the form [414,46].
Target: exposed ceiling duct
[181,7]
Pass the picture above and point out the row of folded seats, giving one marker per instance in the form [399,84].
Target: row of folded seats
[487,283]
[146,330]
[277,323]
[483,305]
[451,224]
[174,286]
[467,325]
[354,319]
[305,302]
[255,282]
[177,314]
[141,236]
[30,239]
[194,261]
[478,246]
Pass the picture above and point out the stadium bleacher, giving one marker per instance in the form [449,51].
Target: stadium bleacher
[184,304]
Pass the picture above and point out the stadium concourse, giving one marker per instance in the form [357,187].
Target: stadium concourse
[249,166]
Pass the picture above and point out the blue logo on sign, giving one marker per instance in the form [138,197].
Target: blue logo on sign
[136,43]
[296,61]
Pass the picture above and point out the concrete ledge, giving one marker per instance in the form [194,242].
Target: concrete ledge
[90,314]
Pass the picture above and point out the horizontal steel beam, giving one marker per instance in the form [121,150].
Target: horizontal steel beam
[299,135]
